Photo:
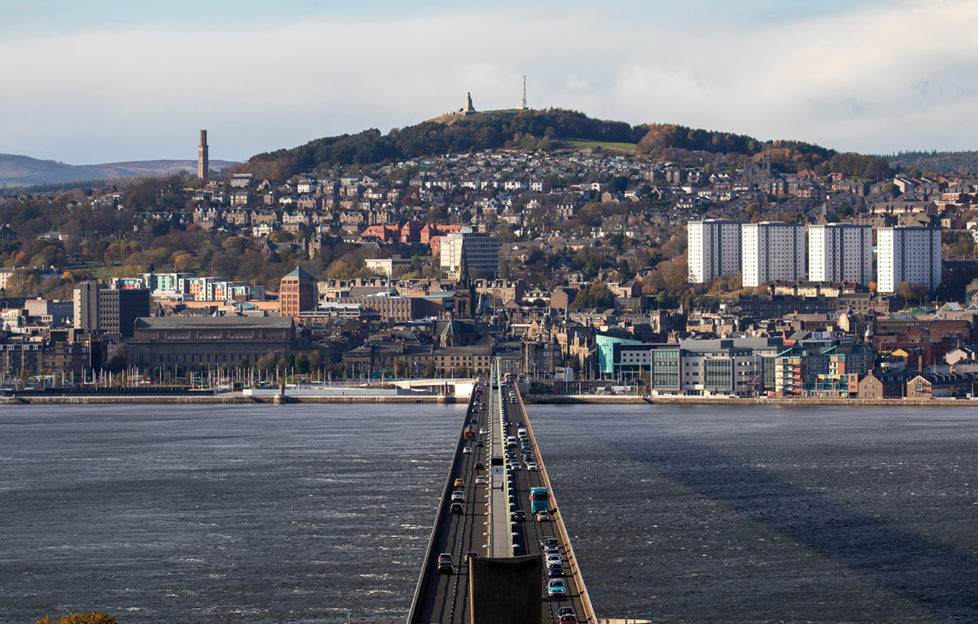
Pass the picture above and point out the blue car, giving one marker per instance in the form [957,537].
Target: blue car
[556,587]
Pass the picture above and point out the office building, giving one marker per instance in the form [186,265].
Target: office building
[481,254]
[840,252]
[109,310]
[713,249]
[298,293]
[772,251]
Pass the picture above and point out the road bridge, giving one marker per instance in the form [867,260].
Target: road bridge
[494,473]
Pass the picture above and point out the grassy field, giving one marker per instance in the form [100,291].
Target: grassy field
[608,145]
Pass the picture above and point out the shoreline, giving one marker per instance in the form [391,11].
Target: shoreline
[238,398]
[220,399]
[776,402]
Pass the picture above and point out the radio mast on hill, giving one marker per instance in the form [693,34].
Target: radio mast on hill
[524,92]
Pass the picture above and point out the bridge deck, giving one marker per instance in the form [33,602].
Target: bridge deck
[443,598]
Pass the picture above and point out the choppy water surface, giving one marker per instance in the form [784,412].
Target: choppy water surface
[273,514]
[771,515]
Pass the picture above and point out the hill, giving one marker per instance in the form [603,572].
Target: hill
[26,171]
[943,162]
[526,130]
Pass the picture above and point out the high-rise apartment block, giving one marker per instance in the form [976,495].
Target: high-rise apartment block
[772,251]
[908,254]
[713,249]
[481,254]
[203,163]
[840,252]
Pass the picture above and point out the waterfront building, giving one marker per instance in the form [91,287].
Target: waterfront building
[619,357]
[713,249]
[840,252]
[192,342]
[732,366]
[772,251]
[58,352]
[908,254]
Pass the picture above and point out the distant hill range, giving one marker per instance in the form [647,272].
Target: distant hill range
[26,171]
[940,162]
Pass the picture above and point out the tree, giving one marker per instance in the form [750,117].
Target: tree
[400,367]
[429,368]
[267,362]
[919,292]
[184,262]
[598,295]
[618,184]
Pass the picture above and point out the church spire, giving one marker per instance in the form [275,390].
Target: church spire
[465,296]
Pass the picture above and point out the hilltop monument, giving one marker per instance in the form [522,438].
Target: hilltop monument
[468,109]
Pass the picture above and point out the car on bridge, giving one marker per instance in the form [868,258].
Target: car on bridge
[570,618]
[459,482]
[543,516]
[556,587]
[555,571]
[457,507]
[561,612]
[458,496]
[445,564]
[466,450]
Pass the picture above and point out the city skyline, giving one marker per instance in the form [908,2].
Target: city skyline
[114,82]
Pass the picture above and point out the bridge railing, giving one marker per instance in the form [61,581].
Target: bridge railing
[428,563]
[586,607]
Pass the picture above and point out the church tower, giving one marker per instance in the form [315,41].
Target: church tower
[466,299]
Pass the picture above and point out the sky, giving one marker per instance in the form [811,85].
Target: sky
[111,81]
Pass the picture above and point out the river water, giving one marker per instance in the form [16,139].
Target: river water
[311,513]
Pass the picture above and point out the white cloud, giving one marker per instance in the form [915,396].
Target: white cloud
[891,77]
